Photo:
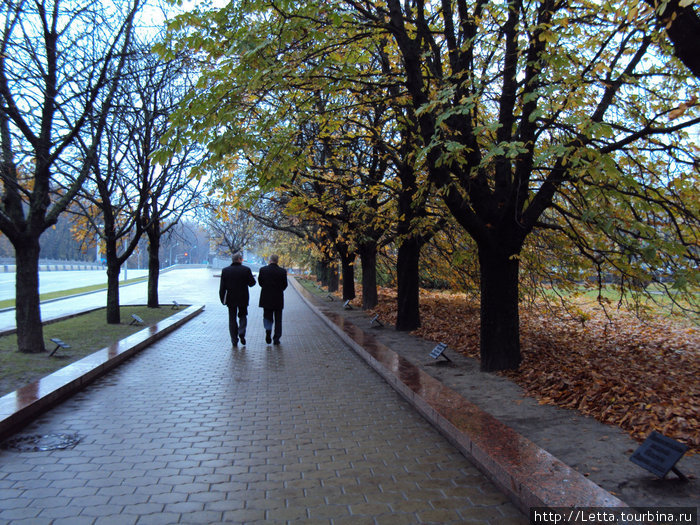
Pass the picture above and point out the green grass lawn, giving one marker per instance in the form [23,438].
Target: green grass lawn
[310,286]
[658,302]
[85,333]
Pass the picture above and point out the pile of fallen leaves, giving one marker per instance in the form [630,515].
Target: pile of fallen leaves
[639,374]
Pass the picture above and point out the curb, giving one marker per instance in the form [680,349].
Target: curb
[529,475]
[21,406]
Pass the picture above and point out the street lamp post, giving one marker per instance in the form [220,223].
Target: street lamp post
[170,259]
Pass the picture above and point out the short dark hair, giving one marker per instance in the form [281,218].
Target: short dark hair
[274,258]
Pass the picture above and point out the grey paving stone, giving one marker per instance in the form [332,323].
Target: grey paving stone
[158,519]
[59,512]
[21,512]
[33,521]
[130,500]
[120,519]
[75,520]
[70,492]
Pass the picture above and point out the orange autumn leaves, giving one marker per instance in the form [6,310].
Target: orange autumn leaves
[637,374]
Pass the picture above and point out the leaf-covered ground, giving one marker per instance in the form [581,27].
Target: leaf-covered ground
[622,370]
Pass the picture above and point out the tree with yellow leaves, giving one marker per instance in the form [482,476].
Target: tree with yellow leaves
[521,117]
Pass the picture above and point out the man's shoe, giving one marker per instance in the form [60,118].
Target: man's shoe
[268,336]
[276,342]
[242,339]
[234,343]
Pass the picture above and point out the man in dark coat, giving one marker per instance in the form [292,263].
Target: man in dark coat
[273,282]
[233,292]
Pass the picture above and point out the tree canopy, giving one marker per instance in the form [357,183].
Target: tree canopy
[563,116]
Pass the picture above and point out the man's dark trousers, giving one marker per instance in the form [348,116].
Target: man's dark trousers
[273,318]
[237,321]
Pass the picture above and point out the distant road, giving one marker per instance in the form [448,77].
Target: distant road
[62,280]
[184,285]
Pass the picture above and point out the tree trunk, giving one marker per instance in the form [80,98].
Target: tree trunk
[500,324]
[408,302]
[348,269]
[682,25]
[30,335]
[333,277]
[153,271]
[368,260]
[113,269]
[322,273]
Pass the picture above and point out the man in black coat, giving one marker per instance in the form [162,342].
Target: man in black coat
[273,282]
[233,292]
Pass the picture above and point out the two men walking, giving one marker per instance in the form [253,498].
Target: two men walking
[233,292]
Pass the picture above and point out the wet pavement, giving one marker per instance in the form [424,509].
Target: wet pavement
[192,431]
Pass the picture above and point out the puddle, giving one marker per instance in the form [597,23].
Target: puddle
[41,443]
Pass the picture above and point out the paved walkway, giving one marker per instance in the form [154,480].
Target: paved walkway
[191,431]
